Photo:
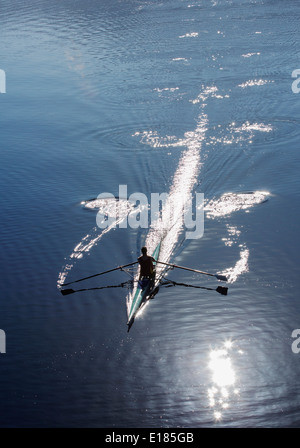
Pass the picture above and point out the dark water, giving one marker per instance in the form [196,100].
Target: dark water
[171,96]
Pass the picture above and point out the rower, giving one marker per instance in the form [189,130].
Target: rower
[146,264]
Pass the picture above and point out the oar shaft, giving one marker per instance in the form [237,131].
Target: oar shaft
[220,277]
[100,273]
[186,269]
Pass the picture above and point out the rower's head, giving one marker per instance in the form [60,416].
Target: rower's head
[144,250]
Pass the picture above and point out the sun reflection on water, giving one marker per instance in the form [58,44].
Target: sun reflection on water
[224,379]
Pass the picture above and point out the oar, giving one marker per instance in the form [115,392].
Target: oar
[220,289]
[100,273]
[66,292]
[219,277]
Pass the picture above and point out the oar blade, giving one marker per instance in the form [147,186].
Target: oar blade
[66,292]
[223,278]
[222,290]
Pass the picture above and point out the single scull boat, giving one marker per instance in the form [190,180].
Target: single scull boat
[145,290]
[146,287]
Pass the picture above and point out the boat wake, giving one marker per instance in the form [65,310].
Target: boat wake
[169,232]
[107,207]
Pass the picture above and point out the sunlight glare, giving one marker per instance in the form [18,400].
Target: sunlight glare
[220,364]
[223,378]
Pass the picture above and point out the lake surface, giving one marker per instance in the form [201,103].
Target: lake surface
[173,96]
